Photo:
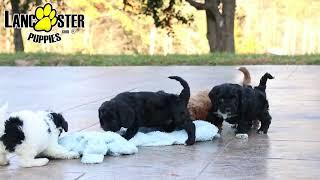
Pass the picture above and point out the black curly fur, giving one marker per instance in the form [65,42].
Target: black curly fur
[133,110]
[13,134]
[59,121]
[247,104]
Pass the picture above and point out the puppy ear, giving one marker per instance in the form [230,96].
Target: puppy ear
[126,115]
[59,121]
[214,93]
[64,125]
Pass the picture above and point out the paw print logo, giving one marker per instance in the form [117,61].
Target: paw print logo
[46,16]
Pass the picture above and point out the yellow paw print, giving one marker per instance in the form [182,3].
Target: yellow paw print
[46,18]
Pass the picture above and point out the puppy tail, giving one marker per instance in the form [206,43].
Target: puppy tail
[263,81]
[246,76]
[185,93]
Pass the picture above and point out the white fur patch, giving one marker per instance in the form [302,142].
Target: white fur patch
[223,115]
[41,138]
[242,136]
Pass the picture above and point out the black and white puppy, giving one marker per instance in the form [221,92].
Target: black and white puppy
[241,106]
[162,110]
[30,134]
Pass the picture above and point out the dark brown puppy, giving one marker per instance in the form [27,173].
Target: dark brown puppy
[162,110]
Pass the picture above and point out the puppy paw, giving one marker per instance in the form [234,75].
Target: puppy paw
[4,163]
[242,136]
[190,142]
[42,161]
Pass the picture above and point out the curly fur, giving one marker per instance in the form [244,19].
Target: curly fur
[133,110]
[200,104]
[29,134]
[241,106]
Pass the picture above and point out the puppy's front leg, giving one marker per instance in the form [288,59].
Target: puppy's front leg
[212,118]
[243,128]
[191,131]
[131,131]
[59,152]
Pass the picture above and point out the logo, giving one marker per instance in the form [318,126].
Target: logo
[46,18]
[43,21]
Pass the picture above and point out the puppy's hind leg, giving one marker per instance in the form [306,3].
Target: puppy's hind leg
[27,158]
[191,131]
[265,119]
[32,162]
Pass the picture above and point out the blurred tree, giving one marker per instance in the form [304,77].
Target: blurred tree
[22,6]
[220,23]
[17,7]
[219,13]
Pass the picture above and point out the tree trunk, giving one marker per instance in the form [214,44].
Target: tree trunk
[228,13]
[18,42]
[211,30]
[38,2]
[220,25]
[17,36]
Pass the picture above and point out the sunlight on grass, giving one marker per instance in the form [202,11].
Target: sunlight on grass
[52,59]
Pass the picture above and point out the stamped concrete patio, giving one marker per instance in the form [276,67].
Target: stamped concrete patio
[291,150]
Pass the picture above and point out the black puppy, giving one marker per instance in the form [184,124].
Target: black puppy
[133,110]
[240,106]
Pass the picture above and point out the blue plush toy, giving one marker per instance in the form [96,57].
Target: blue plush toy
[94,145]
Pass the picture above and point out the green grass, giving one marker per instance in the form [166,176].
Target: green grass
[52,59]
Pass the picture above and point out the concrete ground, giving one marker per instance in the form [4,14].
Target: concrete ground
[291,150]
